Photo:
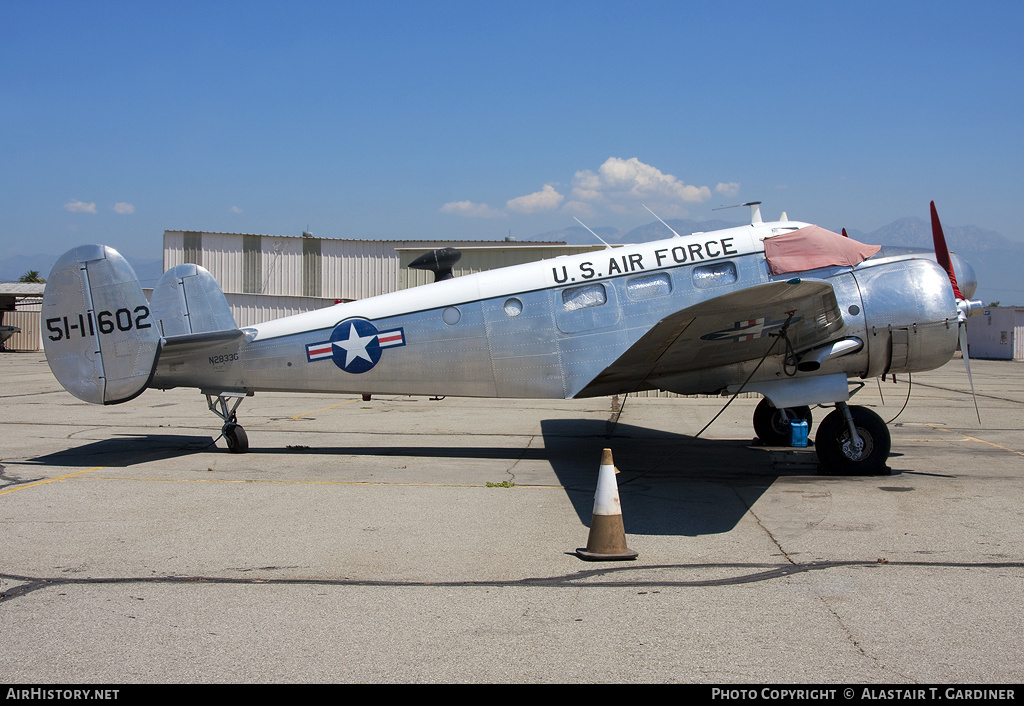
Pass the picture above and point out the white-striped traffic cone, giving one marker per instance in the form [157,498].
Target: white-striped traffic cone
[607,541]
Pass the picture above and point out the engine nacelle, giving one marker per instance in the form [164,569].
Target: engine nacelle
[911,316]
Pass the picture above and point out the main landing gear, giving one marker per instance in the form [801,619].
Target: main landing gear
[853,441]
[224,404]
[850,440]
[771,423]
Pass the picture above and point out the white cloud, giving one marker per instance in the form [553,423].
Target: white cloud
[622,182]
[619,186]
[547,199]
[123,208]
[76,206]
[727,189]
[470,209]
[234,209]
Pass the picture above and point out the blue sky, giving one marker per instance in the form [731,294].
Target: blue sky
[437,119]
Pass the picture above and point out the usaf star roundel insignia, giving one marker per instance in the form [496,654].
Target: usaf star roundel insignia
[355,345]
[748,330]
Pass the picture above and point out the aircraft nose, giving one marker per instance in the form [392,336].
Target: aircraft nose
[965,277]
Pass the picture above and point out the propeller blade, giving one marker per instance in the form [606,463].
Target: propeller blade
[942,252]
[962,333]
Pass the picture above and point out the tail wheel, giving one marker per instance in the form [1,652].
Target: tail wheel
[771,427]
[837,450]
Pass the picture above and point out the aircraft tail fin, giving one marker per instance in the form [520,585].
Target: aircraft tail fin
[188,301]
[100,338]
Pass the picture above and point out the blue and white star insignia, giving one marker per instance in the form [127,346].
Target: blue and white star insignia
[747,330]
[355,345]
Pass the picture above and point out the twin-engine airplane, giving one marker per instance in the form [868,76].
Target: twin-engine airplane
[785,309]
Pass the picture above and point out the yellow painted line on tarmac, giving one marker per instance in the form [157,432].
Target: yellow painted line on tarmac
[304,414]
[982,441]
[265,482]
[51,480]
[312,482]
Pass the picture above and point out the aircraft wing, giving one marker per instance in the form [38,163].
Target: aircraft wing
[701,348]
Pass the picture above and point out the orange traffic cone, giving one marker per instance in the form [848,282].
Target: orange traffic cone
[607,541]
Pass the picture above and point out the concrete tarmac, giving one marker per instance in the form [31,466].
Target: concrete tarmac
[417,540]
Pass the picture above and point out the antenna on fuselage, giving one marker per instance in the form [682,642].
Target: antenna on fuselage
[662,222]
[592,232]
[755,211]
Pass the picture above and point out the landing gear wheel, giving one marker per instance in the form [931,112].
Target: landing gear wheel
[837,452]
[770,426]
[236,438]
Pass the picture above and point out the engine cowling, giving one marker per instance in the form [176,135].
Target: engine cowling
[911,315]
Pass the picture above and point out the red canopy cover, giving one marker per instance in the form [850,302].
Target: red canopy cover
[812,247]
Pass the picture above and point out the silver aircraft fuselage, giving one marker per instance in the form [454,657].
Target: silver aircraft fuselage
[548,329]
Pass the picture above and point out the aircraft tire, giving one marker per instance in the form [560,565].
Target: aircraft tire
[236,438]
[771,428]
[833,443]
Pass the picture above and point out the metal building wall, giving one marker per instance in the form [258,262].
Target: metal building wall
[356,269]
[221,255]
[479,258]
[349,269]
[27,318]
[997,333]
[252,309]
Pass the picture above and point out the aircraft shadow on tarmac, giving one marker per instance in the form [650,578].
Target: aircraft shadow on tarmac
[126,449]
[669,484]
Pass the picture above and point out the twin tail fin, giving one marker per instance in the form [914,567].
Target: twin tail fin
[101,336]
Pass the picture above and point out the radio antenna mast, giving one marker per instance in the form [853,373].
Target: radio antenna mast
[662,222]
[755,211]
[592,232]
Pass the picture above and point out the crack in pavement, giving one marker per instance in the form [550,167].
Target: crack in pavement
[610,577]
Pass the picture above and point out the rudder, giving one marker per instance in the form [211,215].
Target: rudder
[99,336]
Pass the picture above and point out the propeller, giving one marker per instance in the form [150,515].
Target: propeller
[963,305]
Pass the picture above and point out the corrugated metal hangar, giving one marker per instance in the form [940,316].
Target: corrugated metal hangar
[269,276]
[997,333]
[20,306]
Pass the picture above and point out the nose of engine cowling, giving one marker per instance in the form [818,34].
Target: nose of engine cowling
[965,277]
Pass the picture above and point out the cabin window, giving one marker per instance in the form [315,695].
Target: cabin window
[513,307]
[589,295]
[649,286]
[714,275]
[586,307]
[451,316]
